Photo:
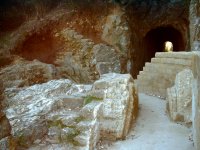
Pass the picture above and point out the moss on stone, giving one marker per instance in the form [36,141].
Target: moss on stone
[88,99]
[70,137]
[56,123]
[79,119]
[22,141]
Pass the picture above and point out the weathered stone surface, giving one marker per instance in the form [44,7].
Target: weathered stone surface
[24,73]
[8,143]
[75,60]
[195,46]
[196,103]
[179,97]
[5,128]
[163,68]
[106,58]
[116,31]
[119,104]
[31,108]
[70,115]
[83,61]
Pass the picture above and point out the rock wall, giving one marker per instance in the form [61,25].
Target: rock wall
[195,46]
[5,128]
[116,32]
[82,61]
[25,73]
[194,25]
[196,103]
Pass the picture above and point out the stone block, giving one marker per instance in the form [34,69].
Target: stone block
[179,97]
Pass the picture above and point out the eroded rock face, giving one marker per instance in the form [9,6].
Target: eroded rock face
[106,59]
[195,46]
[82,60]
[70,116]
[75,60]
[116,31]
[5,128]
[53,107]
[179,97]
[196,103]
[120,104]
[24,73]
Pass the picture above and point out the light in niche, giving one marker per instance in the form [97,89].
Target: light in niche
[168,47]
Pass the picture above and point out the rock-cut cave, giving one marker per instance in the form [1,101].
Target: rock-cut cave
[90,73]
[155,39]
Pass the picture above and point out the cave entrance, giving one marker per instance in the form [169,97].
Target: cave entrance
[162,39]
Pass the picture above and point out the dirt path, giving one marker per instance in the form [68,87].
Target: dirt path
[153,130]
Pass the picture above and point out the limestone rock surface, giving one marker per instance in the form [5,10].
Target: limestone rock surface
[116,30]
[196,103]
[120,104]
[106,59]
[179,97]
[25,73]
[69,115]
[53,107]
[82,61]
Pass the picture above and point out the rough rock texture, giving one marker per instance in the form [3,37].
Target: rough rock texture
[83,61]
[24,73]
[5,128]
[195,46]
[179,97]
[70,116]
[75,60]
[106,59]
[145,16]
[116,32]
[196,103]
[194,25]
[53,107]
[120,104]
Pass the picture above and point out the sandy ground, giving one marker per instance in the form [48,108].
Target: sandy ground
[154,130]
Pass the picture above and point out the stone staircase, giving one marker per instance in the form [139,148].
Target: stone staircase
[160,73]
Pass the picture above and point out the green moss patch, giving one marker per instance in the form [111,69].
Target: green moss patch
[88,99]
[70,137]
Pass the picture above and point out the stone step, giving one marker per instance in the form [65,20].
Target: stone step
[176,61]
[160,66]
[90,111]
[162,72]
[156,75]
[182,55]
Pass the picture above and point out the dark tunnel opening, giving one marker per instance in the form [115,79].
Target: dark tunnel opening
[155,39]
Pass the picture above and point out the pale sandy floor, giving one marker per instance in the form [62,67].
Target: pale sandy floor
[153,130]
